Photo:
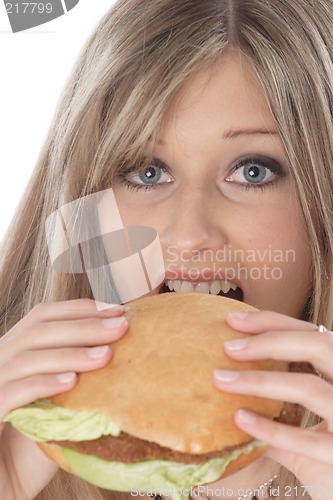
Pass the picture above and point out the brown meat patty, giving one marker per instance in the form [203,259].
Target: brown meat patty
[128,449]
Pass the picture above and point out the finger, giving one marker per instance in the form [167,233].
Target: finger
[306,390]
[291,459]
[264,321]
[307,442]
[311,346]
[29,363]
[69,309]
[83,332]
[21,392]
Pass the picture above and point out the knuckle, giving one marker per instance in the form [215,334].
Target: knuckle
[39,311]
[30,335]
[36,329]
[14,363]
[316,388]
[327,344]
[324,348]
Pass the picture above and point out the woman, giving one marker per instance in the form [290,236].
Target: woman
[212,122]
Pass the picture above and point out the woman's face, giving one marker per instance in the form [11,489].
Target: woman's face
[220,195]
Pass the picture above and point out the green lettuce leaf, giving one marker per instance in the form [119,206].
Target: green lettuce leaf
[162,477]
[43,421]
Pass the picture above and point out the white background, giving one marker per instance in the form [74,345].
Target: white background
[34,66]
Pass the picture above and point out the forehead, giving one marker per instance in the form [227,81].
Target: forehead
[227,93]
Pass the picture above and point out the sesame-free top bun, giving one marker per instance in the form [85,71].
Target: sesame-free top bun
[159,383]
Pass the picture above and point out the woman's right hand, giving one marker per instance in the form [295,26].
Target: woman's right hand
[40,357]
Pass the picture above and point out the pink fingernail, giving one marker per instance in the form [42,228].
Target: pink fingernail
[236,345]
[238,315]
[98,352]
[226,376]
[66,378]
[246,417]
[114,323]
[104,307]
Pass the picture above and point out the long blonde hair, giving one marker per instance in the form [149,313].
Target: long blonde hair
[114,102]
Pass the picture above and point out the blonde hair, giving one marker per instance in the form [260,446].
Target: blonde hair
[114,102]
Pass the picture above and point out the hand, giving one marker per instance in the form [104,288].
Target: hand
[308,453]
[40,357]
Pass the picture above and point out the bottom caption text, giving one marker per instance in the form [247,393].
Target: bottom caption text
[274,491]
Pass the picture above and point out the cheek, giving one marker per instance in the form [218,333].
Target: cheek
[297,269]
[138,214]
[276,224]
[142,218]
[281,266]
[285,289]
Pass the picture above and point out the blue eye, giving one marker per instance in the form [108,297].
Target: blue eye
[154,175]
[256,172]
[150,175]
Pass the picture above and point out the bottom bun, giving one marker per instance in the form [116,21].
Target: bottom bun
[54,452]
[244,460]
[151,476]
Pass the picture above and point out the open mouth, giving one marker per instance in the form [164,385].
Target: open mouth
[216,287]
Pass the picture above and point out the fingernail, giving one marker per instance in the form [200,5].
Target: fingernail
[246,417]
[238,315]
[113,323]
[65,378]
[105,307]
[226,376]
[98,352]
[236,345]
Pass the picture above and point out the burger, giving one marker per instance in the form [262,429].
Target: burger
[152,419]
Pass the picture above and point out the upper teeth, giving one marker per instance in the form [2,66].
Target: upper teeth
[203,287]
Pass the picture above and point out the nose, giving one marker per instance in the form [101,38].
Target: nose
[194,222]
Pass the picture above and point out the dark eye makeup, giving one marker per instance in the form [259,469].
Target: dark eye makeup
[146,177]
[248,172]
[256,172]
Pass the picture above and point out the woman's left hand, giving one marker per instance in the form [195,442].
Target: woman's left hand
[308,453]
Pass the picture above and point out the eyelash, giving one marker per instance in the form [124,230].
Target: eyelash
[268,163]
[122,176]
[139,187]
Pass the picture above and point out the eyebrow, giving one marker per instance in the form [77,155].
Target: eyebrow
[232,134]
